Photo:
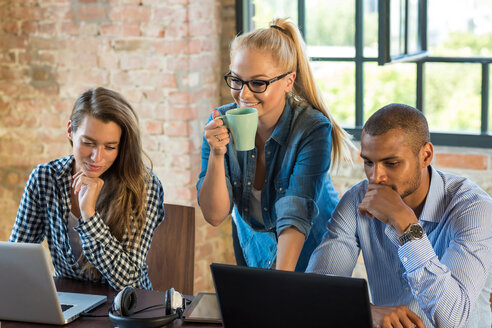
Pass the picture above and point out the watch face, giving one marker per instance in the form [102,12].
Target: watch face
[416,231]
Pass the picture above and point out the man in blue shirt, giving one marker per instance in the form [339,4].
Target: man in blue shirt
[425,235]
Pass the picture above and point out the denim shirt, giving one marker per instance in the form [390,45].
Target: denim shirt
[297,191]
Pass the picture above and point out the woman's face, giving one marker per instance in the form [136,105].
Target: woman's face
[95,145]
[259,65]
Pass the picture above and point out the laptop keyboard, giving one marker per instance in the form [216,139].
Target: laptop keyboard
[65,307]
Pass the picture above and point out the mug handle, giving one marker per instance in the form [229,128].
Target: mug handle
[223,118]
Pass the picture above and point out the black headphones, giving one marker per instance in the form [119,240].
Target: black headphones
[125,302]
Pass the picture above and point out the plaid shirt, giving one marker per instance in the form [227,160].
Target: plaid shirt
[44,211]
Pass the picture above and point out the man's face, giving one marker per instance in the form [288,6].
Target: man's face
[390,160]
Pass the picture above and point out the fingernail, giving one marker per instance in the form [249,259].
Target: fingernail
[215,114]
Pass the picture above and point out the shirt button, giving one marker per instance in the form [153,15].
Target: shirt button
[245,209]
[416,292]
[280,189]
[249,183]
[265,208]
[407,289]
[235,182]
[405,259]
[268,152]
[253,156]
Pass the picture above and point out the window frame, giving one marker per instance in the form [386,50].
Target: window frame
[482,139]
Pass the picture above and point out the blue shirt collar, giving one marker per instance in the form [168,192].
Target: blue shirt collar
[434,206]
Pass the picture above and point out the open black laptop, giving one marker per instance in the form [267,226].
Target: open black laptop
[252,297]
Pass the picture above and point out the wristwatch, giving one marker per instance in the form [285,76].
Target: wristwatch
[414,231]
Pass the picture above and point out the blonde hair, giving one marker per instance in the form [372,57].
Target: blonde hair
[287,47]
[123,198]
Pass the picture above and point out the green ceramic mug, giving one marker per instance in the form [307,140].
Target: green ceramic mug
[242,123]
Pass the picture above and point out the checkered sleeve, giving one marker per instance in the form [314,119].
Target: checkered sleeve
[122,263]
[29,223]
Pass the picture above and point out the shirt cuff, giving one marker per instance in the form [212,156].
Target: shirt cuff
[415,253]
[295,211]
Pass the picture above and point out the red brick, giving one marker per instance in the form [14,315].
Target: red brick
[175,47]
[177,113]
[166,81]
[177,31]
[130,14]
[177,129]
[202,12]
[131,30]
[178,146]
[27,13]
[153,95]
[176,15]
[134,45]
[111,29]
[461,161]
[179,98]
[145,110]
[91,13]
[181,162]
[152,30]
[153,127]
[11,27]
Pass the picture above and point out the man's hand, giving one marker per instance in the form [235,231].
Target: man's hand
[395,317]
[385,204]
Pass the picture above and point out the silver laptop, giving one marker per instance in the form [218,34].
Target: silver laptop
[28,292]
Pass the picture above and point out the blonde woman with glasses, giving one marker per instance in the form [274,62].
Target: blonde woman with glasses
[280,193]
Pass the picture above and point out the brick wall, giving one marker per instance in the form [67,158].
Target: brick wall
[163,56]
[167,58]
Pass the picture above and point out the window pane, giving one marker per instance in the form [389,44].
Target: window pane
[413,26]
[371,28]
[336,81]
[452,99]
[397,28]
[266,10]
[490,99]
[460,28]
[388,84]
[330,28]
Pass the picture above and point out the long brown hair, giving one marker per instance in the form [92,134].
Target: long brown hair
[286,46]
[122,199]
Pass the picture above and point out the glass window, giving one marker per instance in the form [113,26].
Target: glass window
[370,28]
[388,84]
[330,28]
[397,27]
[452,99]
[460,28]
[490,100]
[266,10]
[336,81]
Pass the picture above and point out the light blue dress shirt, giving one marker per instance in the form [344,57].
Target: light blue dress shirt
[297,191]
[444,277]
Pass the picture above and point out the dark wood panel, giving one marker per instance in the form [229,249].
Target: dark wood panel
[171,256]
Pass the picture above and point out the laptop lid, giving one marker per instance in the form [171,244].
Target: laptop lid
[252,297]
[27,289]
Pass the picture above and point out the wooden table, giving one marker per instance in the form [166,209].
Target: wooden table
[144,298]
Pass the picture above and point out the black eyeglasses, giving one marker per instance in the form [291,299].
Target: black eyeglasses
[256,86]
